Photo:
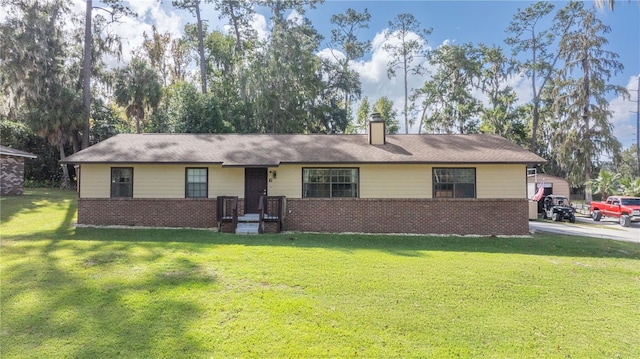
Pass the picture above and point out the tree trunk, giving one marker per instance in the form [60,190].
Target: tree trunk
[406,98]
[534,126]
[66,181]
[75,141]
[586,117]
[241,73]
[203,67]
[86,76]
[638,125]
[424,112]
[236,27]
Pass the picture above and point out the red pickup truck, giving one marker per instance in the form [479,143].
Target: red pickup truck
[625,208]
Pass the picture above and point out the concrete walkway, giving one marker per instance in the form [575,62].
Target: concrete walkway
[584,226]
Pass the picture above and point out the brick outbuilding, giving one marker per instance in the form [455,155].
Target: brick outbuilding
[12,170]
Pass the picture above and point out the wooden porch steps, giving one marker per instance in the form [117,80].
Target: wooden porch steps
[248,224]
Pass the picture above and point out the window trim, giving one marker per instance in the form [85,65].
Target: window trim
[475,182]
[330,183]
[186,181]
[111,192]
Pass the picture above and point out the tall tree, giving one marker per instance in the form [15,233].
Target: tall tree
[86,73]
[116,9]
[137,89]
[627,165]
[240,15]
[156,49]
[528,36]
[586,133]
[453,108]
[362,117]
[223,67]
[384,107]
[406,43]
[501,116]
[283,77]
[326,115]
[194,7]
[35,52]
[180,56]
[346,38]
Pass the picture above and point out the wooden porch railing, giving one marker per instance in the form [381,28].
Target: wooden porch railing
[272,209]
[228,210]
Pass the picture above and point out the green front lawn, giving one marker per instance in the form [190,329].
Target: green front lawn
[141,293]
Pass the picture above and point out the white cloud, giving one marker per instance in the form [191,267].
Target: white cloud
[149,13]
[259,23]
[376,83]
[521,85]
[295,17]
[330,54]
[624,117]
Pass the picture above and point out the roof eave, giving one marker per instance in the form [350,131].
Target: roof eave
[139,162]
[18,154]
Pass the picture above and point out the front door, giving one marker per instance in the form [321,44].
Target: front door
[255,185]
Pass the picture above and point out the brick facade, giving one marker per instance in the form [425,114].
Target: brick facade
[419,216]
[11,175]
[188,212]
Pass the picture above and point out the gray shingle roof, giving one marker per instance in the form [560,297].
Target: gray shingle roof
[272,150]
[8,151]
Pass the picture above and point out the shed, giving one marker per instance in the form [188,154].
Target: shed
[555,185]
[12,170]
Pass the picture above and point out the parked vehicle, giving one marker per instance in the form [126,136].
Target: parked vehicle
[558,208]
[627,209]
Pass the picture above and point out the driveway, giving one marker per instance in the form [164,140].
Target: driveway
[585,226]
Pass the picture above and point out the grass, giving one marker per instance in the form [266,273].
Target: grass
[135,293]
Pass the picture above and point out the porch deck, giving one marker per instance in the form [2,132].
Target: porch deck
[271,214]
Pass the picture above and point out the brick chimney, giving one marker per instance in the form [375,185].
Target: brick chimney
[377,130]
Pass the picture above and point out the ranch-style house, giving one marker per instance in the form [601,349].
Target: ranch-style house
[373,183]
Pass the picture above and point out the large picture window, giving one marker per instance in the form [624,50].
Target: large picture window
[196,183]
[329,182]
[122,182]
[454,183]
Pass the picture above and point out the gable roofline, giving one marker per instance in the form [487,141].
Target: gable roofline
[271,150]
[8,151]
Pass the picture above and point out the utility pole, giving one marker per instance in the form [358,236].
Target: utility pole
[637,111]
[638,124]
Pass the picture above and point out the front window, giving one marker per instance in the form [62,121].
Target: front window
[330,182]
[196,184]
[454,183]
[122,182]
